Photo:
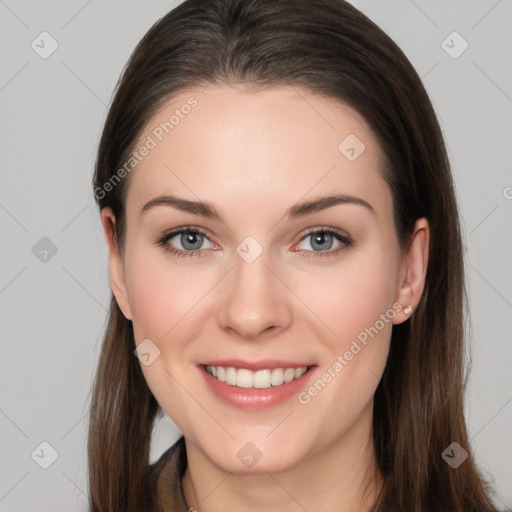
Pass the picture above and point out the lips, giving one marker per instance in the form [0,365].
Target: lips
[263,364]
[256,384]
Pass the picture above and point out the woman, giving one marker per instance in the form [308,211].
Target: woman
[286,266]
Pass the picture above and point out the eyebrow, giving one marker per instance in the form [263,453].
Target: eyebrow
[208,210]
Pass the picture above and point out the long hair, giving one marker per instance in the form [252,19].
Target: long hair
[330,48]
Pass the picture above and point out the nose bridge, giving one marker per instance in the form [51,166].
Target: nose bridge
[253,301]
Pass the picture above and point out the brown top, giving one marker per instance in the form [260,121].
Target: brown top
[165,479]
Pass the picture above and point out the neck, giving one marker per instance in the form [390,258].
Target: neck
[342,477]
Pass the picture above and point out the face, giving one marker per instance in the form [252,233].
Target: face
[259,283]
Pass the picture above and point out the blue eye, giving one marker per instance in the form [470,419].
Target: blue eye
[192,240]
[321,241]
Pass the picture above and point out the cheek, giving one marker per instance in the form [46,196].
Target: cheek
[163,300]
[161,292]
[351,296]
[355,306]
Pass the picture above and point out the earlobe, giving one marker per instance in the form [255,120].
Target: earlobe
[115,262]
[411,279]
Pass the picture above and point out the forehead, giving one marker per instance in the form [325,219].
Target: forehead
[278,144]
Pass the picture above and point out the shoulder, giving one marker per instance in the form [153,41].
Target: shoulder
[175,455]
[164,478]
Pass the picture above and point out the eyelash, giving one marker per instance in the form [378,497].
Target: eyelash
[162,242]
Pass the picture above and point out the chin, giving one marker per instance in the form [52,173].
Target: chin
[253,455]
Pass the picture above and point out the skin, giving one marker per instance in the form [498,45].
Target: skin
[253,154]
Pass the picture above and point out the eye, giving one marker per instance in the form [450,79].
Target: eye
[321,241]
[190,239]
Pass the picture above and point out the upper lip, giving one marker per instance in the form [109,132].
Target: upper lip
[264,364]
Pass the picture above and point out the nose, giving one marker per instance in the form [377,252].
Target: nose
[254,301]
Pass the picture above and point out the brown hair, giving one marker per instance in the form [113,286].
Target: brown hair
[330,48]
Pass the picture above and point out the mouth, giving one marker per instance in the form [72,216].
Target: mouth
[260,379]
[256,385]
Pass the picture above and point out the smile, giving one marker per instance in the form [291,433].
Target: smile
[261,379]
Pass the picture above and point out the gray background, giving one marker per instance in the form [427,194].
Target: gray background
[53,311]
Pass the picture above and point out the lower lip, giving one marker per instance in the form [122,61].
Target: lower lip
[253,398]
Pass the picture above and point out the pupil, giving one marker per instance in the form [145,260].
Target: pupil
[191,238]
[320,240]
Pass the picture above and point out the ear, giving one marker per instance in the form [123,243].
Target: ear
[411,278]
[116,265]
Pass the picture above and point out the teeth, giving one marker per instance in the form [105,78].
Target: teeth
[261,379]
[277,377]
[231,376]
[289,374]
